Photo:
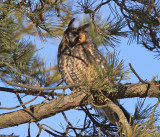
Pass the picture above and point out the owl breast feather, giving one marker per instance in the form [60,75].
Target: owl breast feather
[77,67]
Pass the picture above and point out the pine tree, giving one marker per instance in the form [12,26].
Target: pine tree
[24,71]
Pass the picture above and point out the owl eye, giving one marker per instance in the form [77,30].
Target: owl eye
[82,38]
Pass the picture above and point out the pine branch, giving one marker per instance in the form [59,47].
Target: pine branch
[41,111]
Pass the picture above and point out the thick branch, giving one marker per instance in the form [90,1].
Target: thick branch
[122,118]
[41,111]
[136,90]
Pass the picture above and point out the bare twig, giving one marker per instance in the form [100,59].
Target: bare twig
[138,75]
[20,100]
[84,125]
[39,88]
[53,129]
[52,92]
[93,16]
[39,132]
[29,134]
[23,103]
[29,92]
[94,121]
[69,123]
[51,133]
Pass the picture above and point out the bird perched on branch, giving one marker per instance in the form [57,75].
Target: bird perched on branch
[78,58]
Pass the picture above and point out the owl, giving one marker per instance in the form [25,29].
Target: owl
[77,57]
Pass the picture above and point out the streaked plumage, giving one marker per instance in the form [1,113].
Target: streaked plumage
[76,55]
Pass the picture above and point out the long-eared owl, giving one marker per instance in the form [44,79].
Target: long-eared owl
[77,58]
[77,55]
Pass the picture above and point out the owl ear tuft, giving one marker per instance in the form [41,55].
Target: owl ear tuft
[70,25]
[83,27]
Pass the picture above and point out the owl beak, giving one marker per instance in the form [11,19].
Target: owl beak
[72,44]
[76,40]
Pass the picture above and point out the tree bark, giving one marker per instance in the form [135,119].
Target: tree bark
[41,111]
[50,108]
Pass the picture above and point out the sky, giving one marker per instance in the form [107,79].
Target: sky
[141,59]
